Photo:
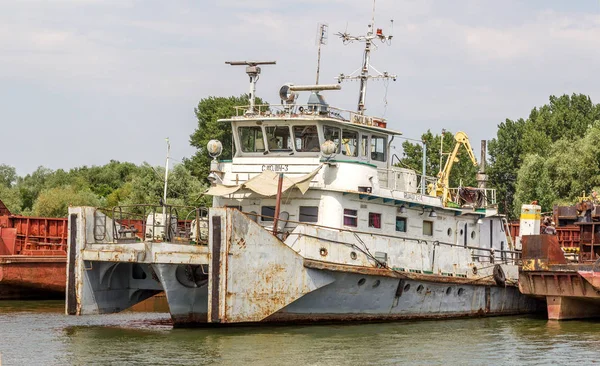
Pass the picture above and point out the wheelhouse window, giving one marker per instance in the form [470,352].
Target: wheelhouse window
[375,220]
[278,138]
[401,224]
[306,138]
[350,217]
[267,212]
[332,134]
[251,139]
[377,148]
[309,214]
[364,145]
[350,143]
[428,228]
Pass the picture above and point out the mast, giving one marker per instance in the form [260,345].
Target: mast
[364,74]
[164,210]
[321,40]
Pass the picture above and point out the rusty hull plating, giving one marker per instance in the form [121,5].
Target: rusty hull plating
[244,274]
[32,256]
[571,289]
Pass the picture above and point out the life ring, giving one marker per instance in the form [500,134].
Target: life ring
[301,109]
[499,275]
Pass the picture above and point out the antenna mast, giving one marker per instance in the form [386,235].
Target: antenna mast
[321,40]
[253,72]
[164,201]
[364,75]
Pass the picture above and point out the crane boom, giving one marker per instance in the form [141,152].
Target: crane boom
[442,187]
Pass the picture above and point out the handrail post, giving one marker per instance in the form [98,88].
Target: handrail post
[278,203]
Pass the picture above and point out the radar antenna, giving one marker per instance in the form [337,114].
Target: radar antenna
[253,72]
[364,75]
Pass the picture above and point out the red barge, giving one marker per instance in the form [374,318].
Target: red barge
[32,256]
[566,273]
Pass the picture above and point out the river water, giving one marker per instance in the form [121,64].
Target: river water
[38,333]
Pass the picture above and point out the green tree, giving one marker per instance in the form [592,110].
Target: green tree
[208,112]
[534,183]
[11,198]
[55,202]
[565,117]
[8,175]
[31,185]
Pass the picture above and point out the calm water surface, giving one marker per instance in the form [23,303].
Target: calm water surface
[38,333]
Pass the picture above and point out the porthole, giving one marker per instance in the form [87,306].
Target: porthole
[407,287]
[361,281]
[376,284]
[474,270]
[323,252]
[461,231]
[420,288]
[448,290]
[449,232]
[472,234]
[461,291]
[353,255]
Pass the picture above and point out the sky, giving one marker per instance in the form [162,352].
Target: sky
[86,81]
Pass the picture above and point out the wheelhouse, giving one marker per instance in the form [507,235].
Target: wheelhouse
[299,137]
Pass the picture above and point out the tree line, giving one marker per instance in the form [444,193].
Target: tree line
[49,193]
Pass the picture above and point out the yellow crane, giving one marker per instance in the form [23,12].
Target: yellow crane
[442,186]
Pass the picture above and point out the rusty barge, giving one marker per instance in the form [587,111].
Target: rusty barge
[32,256]
[565,273]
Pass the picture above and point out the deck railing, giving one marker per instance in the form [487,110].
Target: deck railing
[308,110]
[136,223]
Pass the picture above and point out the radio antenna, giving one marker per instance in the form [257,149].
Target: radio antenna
[363,74]
[253,72]
[321,40]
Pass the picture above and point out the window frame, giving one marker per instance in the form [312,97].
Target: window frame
[300,214]
[431,224]
[262,214]
[401,219]
[350,216]
[357,138]
[374,147]
[241,140]
[372,223]
[303,151]
[339,143]
[283,149]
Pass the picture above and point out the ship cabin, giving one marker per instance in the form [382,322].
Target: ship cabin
[338,173]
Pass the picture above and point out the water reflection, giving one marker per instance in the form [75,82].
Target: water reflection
[146,338]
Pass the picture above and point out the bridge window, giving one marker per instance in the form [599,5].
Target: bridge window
[267,212]
[332,134]
[306,138]
[350,217]
[377,148]
[364,145]
[309,214]
[278,138]
[350,143]
[251,139]
[375,220]
[428,228]
[401,224]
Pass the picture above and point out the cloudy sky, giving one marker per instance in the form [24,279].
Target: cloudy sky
[86,81]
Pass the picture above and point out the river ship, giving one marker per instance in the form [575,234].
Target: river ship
[311,221]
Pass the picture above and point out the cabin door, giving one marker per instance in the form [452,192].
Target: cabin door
[461,233]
